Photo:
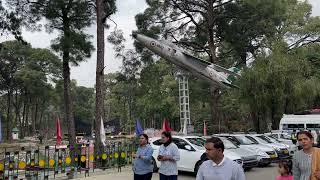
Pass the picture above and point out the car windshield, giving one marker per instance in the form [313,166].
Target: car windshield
[264,139]
[274,140]
[197,142]
[228,144]
[245,140]
[253,139]
[285,136]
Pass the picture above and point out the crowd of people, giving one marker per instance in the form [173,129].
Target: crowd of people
[304,166]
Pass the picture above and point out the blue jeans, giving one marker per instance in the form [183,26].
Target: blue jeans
[164,177]
[143,177]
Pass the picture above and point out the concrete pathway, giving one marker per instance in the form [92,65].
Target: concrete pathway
[267,173]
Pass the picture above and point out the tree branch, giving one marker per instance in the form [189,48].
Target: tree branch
[299,41]
[222,4]
[171,21]
[307,42]
[113,22]
[186,13]
[178,28]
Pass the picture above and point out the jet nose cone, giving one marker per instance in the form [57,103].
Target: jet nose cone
[134,35]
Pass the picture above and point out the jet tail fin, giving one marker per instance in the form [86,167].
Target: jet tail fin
[235,70]
[231,71]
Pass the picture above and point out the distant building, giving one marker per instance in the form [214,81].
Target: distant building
[83,127]
[112,127]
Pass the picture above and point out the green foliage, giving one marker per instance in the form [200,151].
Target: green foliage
[278,36]
[83,104]
[26,75]
[276,84]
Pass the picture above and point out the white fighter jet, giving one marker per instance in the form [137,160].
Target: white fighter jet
[213,73]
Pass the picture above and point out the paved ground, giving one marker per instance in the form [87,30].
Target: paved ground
[267,173]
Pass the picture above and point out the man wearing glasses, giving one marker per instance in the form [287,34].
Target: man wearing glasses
[218,167]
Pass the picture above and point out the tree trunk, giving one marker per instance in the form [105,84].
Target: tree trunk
[274,118]
[67,99]
[22,128]
[99,76]
[8,125]
[26,125]
[256,121]
[210,26]
[35,117]
[17,109]
[41,125]
[215,110]
[214,89]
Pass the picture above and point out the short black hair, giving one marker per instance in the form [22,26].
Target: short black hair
[217,143]
[168,135]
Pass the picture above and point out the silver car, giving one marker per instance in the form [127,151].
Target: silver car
[292,148]
[249,157]
[284,139]
[266,154]
[281,149]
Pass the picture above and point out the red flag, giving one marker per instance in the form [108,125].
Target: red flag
[58,132]
[165,126]
[204,129]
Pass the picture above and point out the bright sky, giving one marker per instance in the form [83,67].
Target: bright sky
[127,9]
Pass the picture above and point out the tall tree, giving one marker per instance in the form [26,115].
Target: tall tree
[204,28]
[25,74]
[10,63]
[69,18]
[105,8]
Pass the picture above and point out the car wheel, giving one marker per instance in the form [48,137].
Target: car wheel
[197,166]
[247,169]
[155,167]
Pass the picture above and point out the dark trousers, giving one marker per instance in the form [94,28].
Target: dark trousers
[143,176]
[164,177]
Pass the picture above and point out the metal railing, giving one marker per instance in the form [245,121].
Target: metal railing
[49,162]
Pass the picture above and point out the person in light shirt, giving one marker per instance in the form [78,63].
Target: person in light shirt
[218,167]
[169,155]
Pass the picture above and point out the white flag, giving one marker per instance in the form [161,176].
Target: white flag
[102,133]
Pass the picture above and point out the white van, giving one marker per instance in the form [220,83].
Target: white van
[310,122]
[300,122]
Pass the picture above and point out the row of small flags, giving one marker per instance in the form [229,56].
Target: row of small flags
[138,130]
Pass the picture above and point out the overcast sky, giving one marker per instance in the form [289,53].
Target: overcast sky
[127,9]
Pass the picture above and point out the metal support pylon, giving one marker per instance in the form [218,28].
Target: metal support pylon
[184,101]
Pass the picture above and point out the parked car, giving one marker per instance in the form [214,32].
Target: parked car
[191,149]
[292,148]
[249,157]
[265,154]
[281,136]
[281,149]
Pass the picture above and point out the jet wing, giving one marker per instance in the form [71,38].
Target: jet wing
[198,59]
[222,69]
[230,85]
[214,66]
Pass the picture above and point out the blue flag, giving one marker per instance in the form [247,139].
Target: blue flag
[139,129]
